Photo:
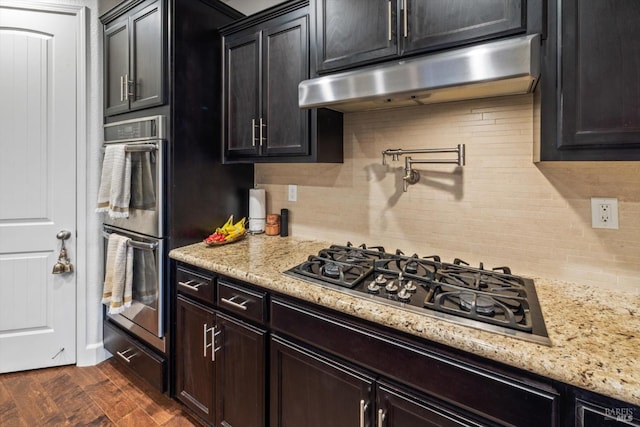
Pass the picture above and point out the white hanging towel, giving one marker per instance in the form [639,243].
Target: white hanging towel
[118,275]
[114,193]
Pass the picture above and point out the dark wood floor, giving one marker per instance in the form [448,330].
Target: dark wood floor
[101,395]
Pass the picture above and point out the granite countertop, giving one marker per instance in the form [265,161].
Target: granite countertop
[595,333]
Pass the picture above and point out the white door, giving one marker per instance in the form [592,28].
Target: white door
[38,72]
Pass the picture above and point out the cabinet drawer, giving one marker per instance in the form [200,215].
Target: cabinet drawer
[197,285]
[135,356]
[246,303]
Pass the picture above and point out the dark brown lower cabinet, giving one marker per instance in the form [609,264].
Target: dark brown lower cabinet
[592,410]
[240,369]
[399,407]
[448,388]
[219,366]
[313,390]
[195,365]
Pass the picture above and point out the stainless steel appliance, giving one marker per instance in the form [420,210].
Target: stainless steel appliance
[145,317]
[145,142]
[504,67]
[493,300]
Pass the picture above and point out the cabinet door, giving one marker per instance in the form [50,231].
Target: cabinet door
[146,87]
[116,67]
[396,407]
[194,364]
[241,93]
[312,391]
[241,373]
[589,414]
[600,50]
[432,24]
[285,62]
[354,32]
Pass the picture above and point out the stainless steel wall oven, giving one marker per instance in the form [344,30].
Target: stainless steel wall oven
[145,317]
[145,146]
[144,140]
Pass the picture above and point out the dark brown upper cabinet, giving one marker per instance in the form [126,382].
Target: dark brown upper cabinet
[590,85]
[134,58]
[265,58]
[355,32]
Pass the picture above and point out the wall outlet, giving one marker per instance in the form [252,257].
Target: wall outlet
[293,192]
[604,213]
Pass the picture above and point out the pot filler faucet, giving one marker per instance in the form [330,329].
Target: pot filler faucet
[411,176]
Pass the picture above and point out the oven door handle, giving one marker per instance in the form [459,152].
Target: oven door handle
[135,244]
[141,148]
[138,148]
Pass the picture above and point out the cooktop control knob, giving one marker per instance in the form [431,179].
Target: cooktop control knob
[410,287]
[373,288]
[381,279]
[404,295]
[391,287]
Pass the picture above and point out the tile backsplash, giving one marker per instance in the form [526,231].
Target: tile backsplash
[499,209]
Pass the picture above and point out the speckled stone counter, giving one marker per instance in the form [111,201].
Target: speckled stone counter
[595,333]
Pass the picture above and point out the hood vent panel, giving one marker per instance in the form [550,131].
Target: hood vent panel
[506,67]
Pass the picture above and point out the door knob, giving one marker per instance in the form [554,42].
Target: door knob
[63,235]
[63,265]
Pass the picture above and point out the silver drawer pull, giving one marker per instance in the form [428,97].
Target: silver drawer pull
[124,355]
[189,284]
[231,301]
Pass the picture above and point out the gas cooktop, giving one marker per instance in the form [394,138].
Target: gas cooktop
[494,300]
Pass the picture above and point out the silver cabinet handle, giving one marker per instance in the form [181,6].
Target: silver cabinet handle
[262,125]
[231,301]
[381,416]
[205,346]
[127,84]
[214,333]
[363,409]
[124,355]
[390,21]
[121,88]
[405,20]
[253,132]
[126,87]
[189,285]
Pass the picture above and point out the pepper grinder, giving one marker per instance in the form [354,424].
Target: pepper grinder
[284,222]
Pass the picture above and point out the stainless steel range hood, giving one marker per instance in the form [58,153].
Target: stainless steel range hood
[505,67]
